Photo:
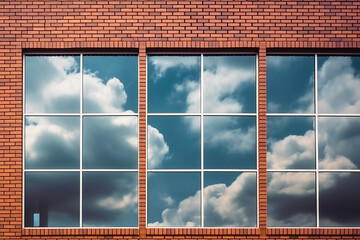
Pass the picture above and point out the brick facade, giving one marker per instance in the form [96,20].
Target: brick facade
[151,26]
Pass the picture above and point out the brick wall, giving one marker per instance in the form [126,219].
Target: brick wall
[145,26]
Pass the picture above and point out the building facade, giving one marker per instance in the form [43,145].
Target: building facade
[179,119]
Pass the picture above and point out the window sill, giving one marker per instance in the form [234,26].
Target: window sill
[313,231]
[79,231]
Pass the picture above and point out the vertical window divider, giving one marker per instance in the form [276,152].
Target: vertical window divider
[23,141]
[202,136]
[316,139]
[257,139]
[81,135]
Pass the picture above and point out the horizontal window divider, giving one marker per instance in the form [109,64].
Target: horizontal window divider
[230,114]
[78,114]
[338,114]
[291,170]
[202,114]
[109,114]
[81,170]
[291,114]
[174,170]
[230,170]
[340,170]
[314,114]
[202,170]
[314,170]
[52,114]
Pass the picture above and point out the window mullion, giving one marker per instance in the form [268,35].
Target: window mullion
[81,136]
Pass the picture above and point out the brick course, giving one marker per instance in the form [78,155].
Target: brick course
[143,26]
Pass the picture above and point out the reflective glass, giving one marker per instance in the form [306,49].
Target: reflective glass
[339,84]
[173,142]
[173,84]
[339,141]
[110,83]
[229,84]
[291,199]
[230,199]
[110,142]
[173,199]
[52,142]
[52,84]
[290,143]
[110,199]
[53,197]
[339,199]
[229,142]
[290,84]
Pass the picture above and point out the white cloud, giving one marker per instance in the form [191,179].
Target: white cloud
[225,206]
[123,203]
[158,149]
[162,64]
[286,183]
[292,150]
[100,97]
[220,86]
[168,200]
[339,86]
[234,140]
[187,214]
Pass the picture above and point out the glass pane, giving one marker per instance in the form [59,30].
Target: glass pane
[339,141]
[52,142]
[52,84]
[53,197]
[290,143]
[173,142]
[339,84]
[230,199]
[173,200]
[290,84]
[110,199]
[110,84]
[174,84]
[229,142]
[291,199]
[229,84]
[339,200]
[110,142]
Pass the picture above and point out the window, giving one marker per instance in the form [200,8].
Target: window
[81,141]
[313,123]
[202,141]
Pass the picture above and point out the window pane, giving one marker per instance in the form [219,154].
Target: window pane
[173,142]
[52,84]
[339,141]
[290,143]
[339,84]
[110,84]
[291,199]
[230,199]
[173,84]
[110,142]
[173,200]
[53,197]
[229,142]
[52,142]
[339,200]
[229,84]
[110,199]
[290,84]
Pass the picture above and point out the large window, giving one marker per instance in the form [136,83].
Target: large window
[313,139]
[81,141]
[202,141]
